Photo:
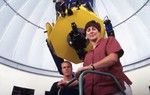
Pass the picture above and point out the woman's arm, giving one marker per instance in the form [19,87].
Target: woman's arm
[105,62]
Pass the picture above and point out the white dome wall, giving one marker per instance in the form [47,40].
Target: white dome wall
[20,40]
[23,45]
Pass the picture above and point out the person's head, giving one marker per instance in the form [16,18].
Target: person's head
[92,30]
[66,67]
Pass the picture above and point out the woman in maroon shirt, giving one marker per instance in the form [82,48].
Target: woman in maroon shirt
[104,57]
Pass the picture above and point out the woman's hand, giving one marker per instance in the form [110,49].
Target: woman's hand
[81,69]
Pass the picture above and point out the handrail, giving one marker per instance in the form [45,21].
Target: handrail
[99,73]
[67,85]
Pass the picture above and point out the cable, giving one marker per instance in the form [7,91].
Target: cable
[22,16]
[132,14]
[105,7]
[102,3]
[129,16]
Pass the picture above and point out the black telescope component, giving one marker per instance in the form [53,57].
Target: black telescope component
[109,28]
[77,40]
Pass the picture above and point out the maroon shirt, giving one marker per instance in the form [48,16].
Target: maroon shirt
[103,85]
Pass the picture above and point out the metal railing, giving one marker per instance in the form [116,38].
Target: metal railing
[67,85]
[98,73]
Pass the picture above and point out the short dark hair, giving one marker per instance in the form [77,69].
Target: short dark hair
[92,23]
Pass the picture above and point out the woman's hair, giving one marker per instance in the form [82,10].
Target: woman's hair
[92,23]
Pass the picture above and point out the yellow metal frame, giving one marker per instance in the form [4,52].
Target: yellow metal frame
[57,34]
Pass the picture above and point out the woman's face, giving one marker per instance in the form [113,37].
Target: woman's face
[92,33]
